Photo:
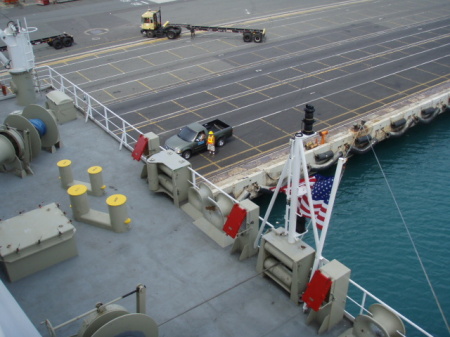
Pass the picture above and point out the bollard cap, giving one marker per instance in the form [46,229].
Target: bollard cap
[64,163]
[116,200]
[94,169]
[77,190]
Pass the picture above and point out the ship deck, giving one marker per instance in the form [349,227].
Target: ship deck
[194,287]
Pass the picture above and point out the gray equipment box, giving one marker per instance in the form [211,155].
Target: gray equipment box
[36,240]
[61,105]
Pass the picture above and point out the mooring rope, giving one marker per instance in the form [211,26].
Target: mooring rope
[412,241]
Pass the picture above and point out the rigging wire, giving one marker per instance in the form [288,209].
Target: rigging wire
[218,294]
[6,16]
[412,241]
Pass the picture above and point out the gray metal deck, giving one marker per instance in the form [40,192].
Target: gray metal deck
[194,287]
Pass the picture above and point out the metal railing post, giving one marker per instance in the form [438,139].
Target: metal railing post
[75,95]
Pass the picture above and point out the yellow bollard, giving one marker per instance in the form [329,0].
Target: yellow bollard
[65,173]
[120,222]
[96,179]
[78,201]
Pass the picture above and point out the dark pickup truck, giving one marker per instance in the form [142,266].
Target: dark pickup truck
[189,141]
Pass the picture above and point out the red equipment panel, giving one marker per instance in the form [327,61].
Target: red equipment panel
[317,290]
[139,148]
[234,221]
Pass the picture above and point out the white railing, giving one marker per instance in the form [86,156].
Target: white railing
[118,128]
[127,135]
[355,308]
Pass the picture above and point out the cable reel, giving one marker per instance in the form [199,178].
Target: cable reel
[23,135]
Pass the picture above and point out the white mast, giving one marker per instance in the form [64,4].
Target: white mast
[294,168]
[321,243]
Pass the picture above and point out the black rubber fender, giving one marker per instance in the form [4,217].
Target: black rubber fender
[324,156]
[398,124]
[400,132]
[363,140]
[363,150]
[428,115]
[329,163]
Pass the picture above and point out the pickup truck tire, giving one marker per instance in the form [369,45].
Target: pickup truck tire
[186,154]
[221,142]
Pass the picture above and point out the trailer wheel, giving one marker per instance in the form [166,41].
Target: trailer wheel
[257,38]
[57,44]
[171,34]
[247,37]
[186,154]
[67,41]
[150,34]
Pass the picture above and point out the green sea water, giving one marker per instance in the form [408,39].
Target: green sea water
[367,232]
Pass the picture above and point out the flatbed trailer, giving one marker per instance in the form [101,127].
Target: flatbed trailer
[57,41]
[248,34]
[151,26]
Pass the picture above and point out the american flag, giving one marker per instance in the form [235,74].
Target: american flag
[320,192]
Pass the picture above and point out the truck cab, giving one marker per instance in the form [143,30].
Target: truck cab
[151,26]
[150,20]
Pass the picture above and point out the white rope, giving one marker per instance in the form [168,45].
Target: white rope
[412,242]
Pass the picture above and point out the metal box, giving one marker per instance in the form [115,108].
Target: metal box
[36,240]
[169,173]
[61,105]
[287,264]
[332,310]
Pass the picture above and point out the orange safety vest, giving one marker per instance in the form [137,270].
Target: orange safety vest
[211,139]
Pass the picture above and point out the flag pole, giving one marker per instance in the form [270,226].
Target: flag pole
[321,242]
[291,218]
[308,190]
[272,201]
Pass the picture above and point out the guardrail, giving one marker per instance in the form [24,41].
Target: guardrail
[127,135]
[353,307]
[118,128]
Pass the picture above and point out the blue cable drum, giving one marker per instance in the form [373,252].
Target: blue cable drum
[39,125]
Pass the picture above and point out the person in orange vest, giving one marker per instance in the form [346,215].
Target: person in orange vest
[211,143]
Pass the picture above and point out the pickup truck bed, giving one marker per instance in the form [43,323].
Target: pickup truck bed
[215,126]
